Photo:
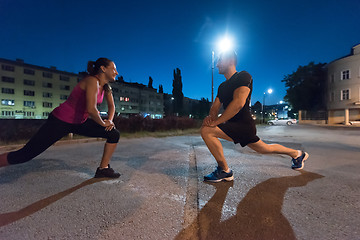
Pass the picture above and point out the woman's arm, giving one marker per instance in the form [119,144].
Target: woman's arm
[111,105]
[91,88]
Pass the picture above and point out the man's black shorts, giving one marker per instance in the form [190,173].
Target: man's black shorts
[243,133]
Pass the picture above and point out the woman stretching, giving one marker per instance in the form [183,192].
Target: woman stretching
[72,116]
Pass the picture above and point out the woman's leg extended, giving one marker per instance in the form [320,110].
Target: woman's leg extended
[48,134]
[264,148]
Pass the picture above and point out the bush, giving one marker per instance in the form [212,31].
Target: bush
[13,130]
[138,123]
[18,129]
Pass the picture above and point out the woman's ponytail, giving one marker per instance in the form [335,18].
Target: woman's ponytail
[91,68]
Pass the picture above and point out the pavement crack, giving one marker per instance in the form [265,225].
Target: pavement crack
[191,208]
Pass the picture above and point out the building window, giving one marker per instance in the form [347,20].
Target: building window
[47,104]
[29,82]
[29,71]
[345,94]
[29,93]
[115,90]
[63,97]
[345,74]
[64,78]
[7,113]
[46,114]
[64,87]
[29,114]
[47,85]
[8,79]
[8,68]
[47,95]
[7,102]
[7,90]
[29,104]
[47,75]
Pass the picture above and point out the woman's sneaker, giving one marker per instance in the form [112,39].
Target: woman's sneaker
[298,163]
[106,173]
[219,175]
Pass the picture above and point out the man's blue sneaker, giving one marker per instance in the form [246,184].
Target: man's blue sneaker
[298,163]
[219,175]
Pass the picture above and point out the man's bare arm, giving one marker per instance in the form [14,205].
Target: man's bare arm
[238,102]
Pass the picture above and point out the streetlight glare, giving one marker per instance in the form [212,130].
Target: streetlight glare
[270,91]
[225,44]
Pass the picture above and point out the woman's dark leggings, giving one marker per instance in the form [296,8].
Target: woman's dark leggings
[52,131]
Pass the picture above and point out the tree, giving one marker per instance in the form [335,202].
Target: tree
[306,88]
[161,89]
[120,79]
[177,92]
[150,84]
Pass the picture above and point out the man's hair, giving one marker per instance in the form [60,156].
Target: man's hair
[229,55]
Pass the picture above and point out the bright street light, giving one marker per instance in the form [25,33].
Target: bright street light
[225,44]
[269,90]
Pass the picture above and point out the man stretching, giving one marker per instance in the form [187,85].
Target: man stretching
[236,123]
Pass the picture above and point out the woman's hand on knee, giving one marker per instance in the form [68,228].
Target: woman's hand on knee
[109,125]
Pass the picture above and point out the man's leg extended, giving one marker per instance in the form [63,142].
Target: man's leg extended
[211,136]
[264,148]
[298,157]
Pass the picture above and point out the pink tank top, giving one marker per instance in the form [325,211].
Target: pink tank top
[73,110]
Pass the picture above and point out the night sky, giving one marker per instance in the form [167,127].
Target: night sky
[152,38]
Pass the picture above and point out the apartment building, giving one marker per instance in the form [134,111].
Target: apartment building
[135,99]
[344,88]
[30,91]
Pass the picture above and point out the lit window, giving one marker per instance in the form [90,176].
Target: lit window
[7,102]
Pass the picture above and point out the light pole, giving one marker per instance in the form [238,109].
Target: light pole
[212,76]
[269,91]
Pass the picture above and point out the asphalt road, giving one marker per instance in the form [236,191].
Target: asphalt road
[161,195]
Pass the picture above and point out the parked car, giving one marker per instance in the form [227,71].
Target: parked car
[282,121]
